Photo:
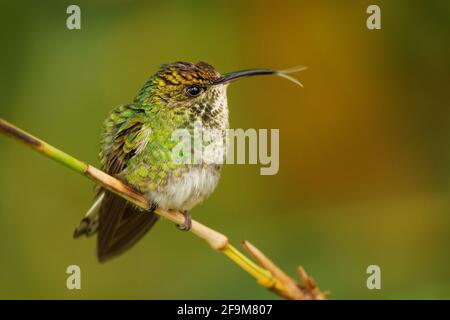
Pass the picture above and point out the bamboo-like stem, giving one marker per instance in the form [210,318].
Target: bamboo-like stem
[266,273]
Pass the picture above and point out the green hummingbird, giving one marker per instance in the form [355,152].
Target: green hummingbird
[137,148]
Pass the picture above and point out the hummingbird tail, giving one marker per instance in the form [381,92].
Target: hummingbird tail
[89,224]
[121,226]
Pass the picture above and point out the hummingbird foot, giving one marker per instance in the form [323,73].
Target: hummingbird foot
[186,226]
[152,208]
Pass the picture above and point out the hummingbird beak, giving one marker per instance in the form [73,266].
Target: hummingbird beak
[232,76]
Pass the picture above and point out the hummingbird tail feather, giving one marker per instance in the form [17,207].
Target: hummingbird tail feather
[121,226]
[89,224]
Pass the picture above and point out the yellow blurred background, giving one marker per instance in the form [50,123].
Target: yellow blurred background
[364,148]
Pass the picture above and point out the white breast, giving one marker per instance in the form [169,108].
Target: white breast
[187,190]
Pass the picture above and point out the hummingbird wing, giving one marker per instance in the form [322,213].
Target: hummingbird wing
[120,223]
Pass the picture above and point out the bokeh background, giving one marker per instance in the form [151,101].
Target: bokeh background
[364,162]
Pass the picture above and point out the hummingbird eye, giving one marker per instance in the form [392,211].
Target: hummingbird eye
[193,91]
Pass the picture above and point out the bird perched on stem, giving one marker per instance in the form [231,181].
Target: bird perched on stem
[137,147]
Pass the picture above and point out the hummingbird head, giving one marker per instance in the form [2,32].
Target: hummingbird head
[197,89]
[190,89]
[182,84]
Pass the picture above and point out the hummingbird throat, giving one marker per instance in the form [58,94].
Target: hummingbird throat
[201,145]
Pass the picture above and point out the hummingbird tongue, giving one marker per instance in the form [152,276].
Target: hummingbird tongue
[232,76]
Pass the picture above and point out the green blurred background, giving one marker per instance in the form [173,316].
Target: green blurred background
[364,162]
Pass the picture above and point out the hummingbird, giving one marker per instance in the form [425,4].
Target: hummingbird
[136,146]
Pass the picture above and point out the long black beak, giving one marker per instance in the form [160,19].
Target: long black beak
[232,76]
[229,77]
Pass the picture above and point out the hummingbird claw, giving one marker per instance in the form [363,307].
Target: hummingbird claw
[152,208]
[186,226]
